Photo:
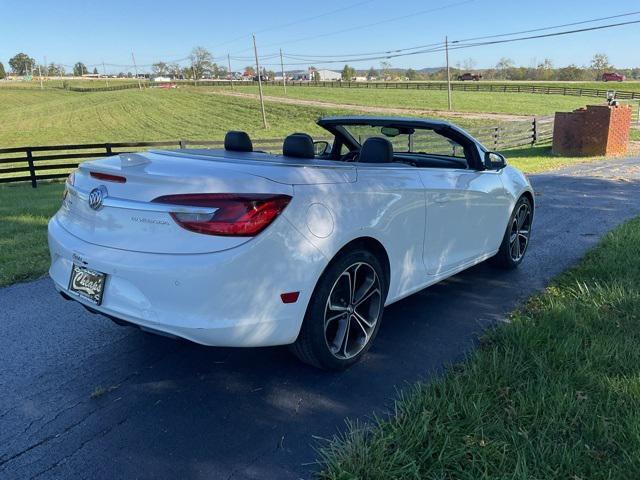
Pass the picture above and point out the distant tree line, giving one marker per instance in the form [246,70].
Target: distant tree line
[203,66]
[505,69]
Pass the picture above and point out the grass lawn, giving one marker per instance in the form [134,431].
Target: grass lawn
[57,83]
[539,159]
[493,102]
[50,117]
[627,85]
[553,394]
[24,213]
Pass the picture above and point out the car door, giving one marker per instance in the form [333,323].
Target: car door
[466,208]
[466,217]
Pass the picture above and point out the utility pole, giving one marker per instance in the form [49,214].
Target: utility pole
[104,72]
[135,69]
[40,75]
[230,72]
[446,49]
[46,68]
[255,51]
[284,78]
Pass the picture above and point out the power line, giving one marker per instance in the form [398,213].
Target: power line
[301,59]
[470,45]
[289,24]
[311,57]
[550,28]
[382,52]
[367,25]
[246,36]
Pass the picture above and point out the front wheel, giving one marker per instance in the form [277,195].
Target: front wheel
[344,313]
[516,238]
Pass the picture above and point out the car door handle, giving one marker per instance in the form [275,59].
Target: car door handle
[440,199]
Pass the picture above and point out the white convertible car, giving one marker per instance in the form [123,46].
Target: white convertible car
[243,248]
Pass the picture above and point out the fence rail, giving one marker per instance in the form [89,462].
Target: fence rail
[456,86]
[469,87]
[33,164]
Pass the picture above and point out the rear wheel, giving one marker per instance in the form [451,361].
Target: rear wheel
[516,237]
[344,313]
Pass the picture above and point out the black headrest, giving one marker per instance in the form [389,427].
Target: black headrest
[298,145]
[376,150]
[237,141]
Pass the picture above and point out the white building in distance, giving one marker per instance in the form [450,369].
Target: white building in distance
[325,75]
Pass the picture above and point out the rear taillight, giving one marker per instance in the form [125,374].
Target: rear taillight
[107,177]
[235,215]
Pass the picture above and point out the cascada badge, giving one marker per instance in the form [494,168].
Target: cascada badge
[97,196]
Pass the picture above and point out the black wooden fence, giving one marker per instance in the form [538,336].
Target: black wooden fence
[456,86]
[33,164]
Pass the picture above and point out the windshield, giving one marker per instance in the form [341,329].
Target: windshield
[408,140]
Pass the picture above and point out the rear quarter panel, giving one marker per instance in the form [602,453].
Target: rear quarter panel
[386,203]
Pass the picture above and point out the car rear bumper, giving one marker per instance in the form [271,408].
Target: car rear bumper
[228,298]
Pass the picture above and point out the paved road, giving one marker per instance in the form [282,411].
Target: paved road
[174,409]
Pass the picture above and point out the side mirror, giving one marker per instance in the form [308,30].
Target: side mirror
[321,148]
[494,161]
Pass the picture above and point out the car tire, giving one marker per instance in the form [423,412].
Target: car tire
[511,254]
[340,325]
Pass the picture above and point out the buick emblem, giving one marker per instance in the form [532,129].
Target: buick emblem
[97,196]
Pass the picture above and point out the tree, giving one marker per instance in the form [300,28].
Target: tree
[570,72]
[544,71]
[3,74]
[22,64]
[95,70]
[411,74]
[201,62]
[54,70]
[79,69]
[469,64]
[600,64]
[218,71]
[372,74]
[348,73]
[160,69]
[173,69]
[385,69]
[503,66]
[249,70]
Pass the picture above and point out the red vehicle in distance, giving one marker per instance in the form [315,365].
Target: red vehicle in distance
[612,77]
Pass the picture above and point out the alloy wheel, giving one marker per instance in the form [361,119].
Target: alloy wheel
[352,310]
[520,231]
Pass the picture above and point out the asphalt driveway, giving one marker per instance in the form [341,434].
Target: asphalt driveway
[169,409]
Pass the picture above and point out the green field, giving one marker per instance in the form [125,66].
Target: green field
[50,117]
[57,83]
[24,213]
[553,394]
[627,85]
[486,102]
[55,116]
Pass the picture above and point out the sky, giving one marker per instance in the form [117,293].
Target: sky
[92,32]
